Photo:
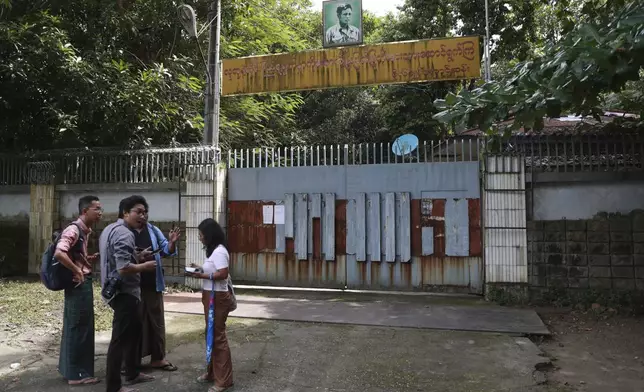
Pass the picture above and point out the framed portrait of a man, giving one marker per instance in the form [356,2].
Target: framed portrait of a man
[342,21]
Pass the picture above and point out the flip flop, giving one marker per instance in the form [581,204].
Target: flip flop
[141,378]
[168,367]
[203,380]
[85,381]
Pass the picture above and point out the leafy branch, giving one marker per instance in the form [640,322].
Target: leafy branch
[572,76]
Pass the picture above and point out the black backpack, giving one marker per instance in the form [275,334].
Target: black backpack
[54,275]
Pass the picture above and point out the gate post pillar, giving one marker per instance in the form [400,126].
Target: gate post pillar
[505,235]
[43,213]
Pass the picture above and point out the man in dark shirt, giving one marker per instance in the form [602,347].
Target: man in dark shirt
[152,287]
[121,260]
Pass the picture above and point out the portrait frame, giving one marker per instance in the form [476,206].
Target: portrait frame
[330,19]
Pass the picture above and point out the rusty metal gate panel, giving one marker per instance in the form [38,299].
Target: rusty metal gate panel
[408,256]
[506,250]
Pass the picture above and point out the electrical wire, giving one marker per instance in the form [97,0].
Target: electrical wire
[208,76]
[207,25]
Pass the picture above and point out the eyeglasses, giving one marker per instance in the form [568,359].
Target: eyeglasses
[140,212]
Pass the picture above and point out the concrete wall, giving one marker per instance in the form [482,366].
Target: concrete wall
[584,201]
[163,199]
[432,180]
[14,203]
[21,248]
[586,232]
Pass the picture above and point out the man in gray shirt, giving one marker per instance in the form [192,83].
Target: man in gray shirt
[122,262]
[102,246]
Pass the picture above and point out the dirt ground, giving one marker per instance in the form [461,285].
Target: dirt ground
[590,351]
[596,350]
[293,357]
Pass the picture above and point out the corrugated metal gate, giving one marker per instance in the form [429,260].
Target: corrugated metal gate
[337,222]
[506,244]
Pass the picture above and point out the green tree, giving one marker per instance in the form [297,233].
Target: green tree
[81,73]
[339,116]
[409,108]
[572,76]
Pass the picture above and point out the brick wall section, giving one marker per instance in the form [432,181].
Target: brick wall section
[587,254]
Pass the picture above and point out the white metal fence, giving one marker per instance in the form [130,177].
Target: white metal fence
[542,153]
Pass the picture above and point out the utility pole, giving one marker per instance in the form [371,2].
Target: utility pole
[488,66]
[213,89]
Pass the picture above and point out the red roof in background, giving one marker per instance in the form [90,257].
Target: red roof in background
[564,125]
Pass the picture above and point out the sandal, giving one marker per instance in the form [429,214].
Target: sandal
[85,381]
[168,367]
[141,378]
[203,379]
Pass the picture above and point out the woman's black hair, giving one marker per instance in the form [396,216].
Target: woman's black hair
[213,235]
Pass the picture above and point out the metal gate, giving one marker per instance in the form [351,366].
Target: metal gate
[358,218]
[506,249]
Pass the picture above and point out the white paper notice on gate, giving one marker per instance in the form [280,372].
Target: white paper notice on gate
[268,215]
[280,215]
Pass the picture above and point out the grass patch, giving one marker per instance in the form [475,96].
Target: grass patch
[174,288]
[28,303]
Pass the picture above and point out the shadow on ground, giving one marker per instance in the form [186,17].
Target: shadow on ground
[289,356]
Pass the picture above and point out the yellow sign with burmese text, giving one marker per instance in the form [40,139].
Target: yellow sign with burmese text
[397,62]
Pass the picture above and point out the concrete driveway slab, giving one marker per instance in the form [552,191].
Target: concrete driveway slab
[393,311]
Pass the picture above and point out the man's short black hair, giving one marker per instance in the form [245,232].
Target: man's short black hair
[343,7]
[121,203]
[85,202]
[129,202]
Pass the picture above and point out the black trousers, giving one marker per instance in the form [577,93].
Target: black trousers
[126,334]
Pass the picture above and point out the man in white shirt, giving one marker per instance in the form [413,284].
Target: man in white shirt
[343,32]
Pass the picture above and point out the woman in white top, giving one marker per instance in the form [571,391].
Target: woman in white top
[215,275]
